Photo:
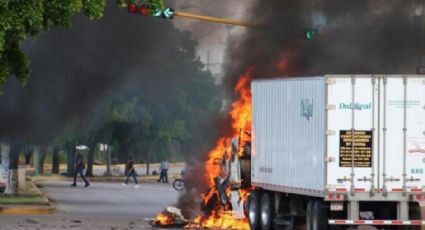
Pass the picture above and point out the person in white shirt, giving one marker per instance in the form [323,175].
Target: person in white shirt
[163,172]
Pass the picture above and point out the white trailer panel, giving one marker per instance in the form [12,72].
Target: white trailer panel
[303,141]
[289,141]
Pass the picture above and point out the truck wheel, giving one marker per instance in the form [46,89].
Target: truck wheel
[414,214]
[308,215]
[267,211]
[254,211]
[319,216]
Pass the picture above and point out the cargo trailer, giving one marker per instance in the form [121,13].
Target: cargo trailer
[338,150]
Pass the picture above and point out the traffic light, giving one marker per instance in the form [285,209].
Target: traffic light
[132,8]
[168,13]
[151,8]
[144,10]
[310,33]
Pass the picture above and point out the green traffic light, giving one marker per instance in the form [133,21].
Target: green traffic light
[168,13]
[157,12]
[309,34]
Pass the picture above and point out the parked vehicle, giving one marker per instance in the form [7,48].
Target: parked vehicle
[338,150]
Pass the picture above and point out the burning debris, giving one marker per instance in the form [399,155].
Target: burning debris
[170,217]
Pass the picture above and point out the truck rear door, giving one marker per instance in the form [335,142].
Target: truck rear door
[375,133]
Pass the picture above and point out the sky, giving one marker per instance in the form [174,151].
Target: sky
[213,38]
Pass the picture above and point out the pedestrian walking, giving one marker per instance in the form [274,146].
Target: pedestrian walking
[163,171]
[79,169]
[131,171]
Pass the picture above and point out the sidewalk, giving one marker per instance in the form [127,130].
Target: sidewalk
[32,201]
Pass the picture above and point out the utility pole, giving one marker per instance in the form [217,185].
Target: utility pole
[108,167]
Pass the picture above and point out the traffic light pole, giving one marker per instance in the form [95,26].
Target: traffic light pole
[156,9]
[212,19]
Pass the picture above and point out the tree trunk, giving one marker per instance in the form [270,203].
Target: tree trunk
[108,161]
[12,186]
[28,153]
[147,162]
[90,157]
[37,160]
[70,156]
[43,152]
[55,160]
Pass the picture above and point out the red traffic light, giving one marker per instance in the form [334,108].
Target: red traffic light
[143,10]
[132,8]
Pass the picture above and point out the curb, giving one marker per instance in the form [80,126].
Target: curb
[27,210]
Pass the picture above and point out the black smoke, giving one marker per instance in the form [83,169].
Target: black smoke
[74,70]
[352,37]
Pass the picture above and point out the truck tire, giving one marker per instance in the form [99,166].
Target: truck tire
[268,212]
[308,215]
[245,164]
[254,210]
[414,214]
[319,216]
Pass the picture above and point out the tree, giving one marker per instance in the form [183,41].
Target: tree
[55,160]
[22,18]
[12,186]
[157,96]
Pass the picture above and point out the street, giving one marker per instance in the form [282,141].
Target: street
[100,206]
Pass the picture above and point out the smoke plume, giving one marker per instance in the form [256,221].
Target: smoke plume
[74,70]
[351,37]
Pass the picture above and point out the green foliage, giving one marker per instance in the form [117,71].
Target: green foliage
[19,18]
[155,7]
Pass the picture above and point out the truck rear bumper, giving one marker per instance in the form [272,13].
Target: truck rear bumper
[377,222]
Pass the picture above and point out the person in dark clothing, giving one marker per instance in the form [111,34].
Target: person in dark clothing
[79,169]
[130,172]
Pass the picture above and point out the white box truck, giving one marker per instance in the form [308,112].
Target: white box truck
[339,151]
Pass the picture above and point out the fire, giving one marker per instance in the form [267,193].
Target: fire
[241,123]
[219,220]
[242,110]
[221,216]
[163,219]
[243,194]
[215,171]
[212,166]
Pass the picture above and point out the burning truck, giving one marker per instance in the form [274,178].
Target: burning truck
[333,151]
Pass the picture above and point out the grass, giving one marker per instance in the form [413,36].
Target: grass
[30,196]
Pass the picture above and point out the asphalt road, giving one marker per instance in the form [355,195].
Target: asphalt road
[100,206]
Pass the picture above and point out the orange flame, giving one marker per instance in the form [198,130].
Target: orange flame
[241,112]
[243,194]
[241,122]
[163,219]
[221,217]
[219,220]
[212,166]
[241,127]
